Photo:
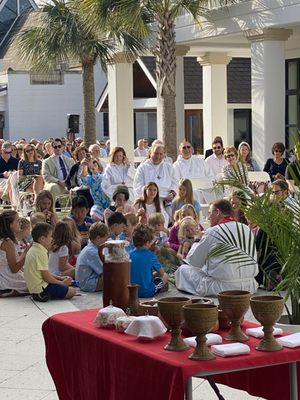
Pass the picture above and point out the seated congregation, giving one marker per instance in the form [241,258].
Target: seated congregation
[153,207]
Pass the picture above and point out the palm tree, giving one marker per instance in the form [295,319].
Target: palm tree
[162,13]
[60,35]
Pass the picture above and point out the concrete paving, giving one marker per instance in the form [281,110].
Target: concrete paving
[23,371]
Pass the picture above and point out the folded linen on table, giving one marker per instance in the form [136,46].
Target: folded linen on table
[290,340]
[259,333]
[231,349]
[211,338]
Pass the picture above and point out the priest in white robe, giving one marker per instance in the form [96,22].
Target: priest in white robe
[206,276]
[157,170]
[189,166]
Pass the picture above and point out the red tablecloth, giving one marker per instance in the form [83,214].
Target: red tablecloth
[89,363]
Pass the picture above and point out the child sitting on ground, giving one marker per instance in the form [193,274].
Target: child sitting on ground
[120,202]
[76,240]
[41,283]
[116,224]
[145,269]
[44,203]
[156,223]
[188,232]
[37,217]
[89,267]
[79,214]
[131,220]
[60,251]
[23,236]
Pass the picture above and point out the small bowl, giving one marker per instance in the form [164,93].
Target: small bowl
[149,307]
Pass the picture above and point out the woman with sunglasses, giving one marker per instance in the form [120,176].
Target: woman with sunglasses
[29,171]
[235,169]
[276,166]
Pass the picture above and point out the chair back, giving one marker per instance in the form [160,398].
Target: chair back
[202,183]
[258,176]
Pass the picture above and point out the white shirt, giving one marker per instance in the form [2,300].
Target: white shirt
[209,276]
[140,152]
[53,265]
[60,175]
[115,175]
[216,164]
[192,168]
[162,174]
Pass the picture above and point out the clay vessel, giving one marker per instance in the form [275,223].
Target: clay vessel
[170,309]
[133,303]
[235,304]
[200,318]
[267,310]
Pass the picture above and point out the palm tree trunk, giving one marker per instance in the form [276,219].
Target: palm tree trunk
[89,103]
[166,84]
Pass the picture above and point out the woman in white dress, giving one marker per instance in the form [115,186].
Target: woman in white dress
[12,282]
[118,172]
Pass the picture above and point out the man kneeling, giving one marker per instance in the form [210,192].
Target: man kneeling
[206,276]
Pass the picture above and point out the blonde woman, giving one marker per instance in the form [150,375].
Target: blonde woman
[29,171]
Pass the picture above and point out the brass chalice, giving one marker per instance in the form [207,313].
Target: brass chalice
[235,303]
[170,309]
[200,318]
[267,310]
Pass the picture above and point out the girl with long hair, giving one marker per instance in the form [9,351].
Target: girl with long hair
[149,203]
[60,251]
[44,203]
[12,281]
[185,196]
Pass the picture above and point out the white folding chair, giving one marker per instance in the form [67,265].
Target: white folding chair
[258,176]
[203,190]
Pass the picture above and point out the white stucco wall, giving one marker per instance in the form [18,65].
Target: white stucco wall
[41,110]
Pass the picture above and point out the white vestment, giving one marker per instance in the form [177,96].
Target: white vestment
[193,168]
[162,174]
[208,276]
[115,175]
[140,152]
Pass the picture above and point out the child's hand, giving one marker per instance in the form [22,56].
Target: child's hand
[67,280]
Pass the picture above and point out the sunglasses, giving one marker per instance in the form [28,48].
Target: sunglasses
[186,147]
[28,150]
[7,152]
[217,147]
[230,156]
[59,146]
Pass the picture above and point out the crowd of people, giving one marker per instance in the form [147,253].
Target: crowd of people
[152,205]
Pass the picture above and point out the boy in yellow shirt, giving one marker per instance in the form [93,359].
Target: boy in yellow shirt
[40,282]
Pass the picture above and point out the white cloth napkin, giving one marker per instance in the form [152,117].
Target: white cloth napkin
[231,349]
[146,326]
[290,340]
[259,333]
[211,338]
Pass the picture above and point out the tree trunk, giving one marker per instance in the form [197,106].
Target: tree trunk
[166,84]
[89,103]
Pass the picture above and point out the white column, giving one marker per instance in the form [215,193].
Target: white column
[215,115]
[120,102]
[268,89]
[181,51]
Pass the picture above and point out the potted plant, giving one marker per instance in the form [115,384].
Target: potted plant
[281,224]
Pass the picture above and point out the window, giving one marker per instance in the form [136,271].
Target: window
[54,78]
[292,103]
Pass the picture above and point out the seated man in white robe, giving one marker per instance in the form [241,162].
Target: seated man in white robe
[206,276]
[157,170]
[189,166]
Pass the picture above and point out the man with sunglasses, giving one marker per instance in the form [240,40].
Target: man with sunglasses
[55,169]
[189,166]
[216,161]
[8,163]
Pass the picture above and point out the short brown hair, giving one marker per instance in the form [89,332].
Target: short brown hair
[278,146]
[131,218]
[41,229]
[224,206]
[142,234]
[282,184]
[98,229]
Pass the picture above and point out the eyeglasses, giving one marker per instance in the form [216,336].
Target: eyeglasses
[277,151]
[230,156]
[28,150]
[217,147]
[58,146]
[276,192]
[7,152]
[186,147]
